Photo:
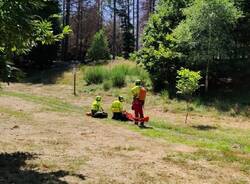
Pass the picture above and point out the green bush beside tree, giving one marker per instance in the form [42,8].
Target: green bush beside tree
[99,47]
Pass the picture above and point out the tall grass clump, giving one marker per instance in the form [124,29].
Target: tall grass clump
[122,68]
[95,75]
[118,79]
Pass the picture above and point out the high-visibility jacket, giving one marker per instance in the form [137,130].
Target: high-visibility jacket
[96,106]
[117,106]
[136,91]
[142,94]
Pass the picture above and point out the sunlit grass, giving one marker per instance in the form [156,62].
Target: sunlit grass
[53,104]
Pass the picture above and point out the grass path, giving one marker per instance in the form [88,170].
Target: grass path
[44,130]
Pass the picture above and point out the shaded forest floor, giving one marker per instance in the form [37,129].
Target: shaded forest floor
[46,138]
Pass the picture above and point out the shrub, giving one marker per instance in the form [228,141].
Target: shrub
[99,47]
[187,84]
[95,75]
[118,79]
[107,85]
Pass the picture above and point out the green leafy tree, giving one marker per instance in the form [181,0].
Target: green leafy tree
[207,31]
[99,47]
[128,39]
[21,29]
[41,56]
[187,84]
[158,54]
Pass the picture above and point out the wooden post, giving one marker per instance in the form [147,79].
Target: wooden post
[74,73]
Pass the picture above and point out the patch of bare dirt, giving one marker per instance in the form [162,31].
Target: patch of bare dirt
[18,104]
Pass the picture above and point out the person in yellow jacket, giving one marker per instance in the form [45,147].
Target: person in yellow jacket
[136,89]
[97,110]
[117,109]
[138,101]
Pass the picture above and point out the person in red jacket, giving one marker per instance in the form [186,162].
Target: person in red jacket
[139,94]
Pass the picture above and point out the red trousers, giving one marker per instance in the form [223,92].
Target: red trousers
[137,106]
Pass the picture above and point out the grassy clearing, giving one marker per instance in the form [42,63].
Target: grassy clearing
[53,104]
[217,145]
[225,146]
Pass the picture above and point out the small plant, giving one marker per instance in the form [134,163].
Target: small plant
[95,75]
[107,85]
[187,84]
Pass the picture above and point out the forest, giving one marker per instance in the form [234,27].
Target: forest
[161,36]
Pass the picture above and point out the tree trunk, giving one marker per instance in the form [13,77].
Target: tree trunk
[66,42]
[207,76]
[99,13]
[153,5]
[187,102]
[137,24]
[63,22]
[150,3]
[78,25]
[81,30]
[133,11]
[208,60]
[128,12]
[114,30]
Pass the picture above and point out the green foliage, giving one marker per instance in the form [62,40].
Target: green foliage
[114,76]
[128,38]
[41,56]
[122,68]
[158,54]
[118,79]
[21,28]
[187,81]
[187,84]
[95,75]
[99,47]
[190,34]
[207,29]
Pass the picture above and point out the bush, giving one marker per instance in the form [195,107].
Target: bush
[107,85]
[118,79]
[99,47]
[187,84]
[95,75]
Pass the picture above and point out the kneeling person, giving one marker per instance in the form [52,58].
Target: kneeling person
[117,109]
[97,110]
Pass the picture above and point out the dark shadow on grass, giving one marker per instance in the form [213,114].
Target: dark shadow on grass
[47,76]
[204,127]
[146,127]
[14,170]
[233,102]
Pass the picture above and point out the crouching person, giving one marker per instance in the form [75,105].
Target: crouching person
[97,110]
[117,109]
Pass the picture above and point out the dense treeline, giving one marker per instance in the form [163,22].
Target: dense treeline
[120,20]
[211,36]
[207,35]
